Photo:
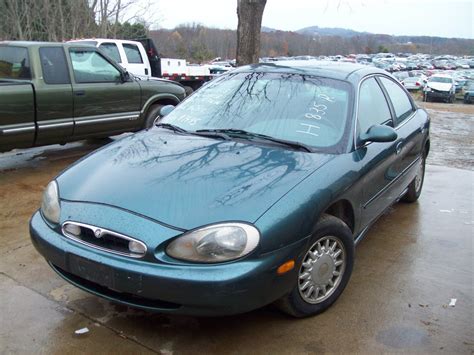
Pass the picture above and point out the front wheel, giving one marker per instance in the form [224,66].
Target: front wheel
[415,187]
[324,270]
[152,116]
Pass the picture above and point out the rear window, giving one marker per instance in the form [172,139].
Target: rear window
[54,65]
[133,53]
[14,63]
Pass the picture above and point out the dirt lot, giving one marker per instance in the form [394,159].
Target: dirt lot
[413,262]
[452,134]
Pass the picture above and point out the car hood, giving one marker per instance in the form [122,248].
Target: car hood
[187,181]
[440,86]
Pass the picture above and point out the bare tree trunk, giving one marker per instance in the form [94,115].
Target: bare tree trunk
[249,13]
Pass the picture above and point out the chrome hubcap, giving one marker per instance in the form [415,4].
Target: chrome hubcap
[419,175]
[322,270]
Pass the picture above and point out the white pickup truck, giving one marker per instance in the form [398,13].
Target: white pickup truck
[142,59]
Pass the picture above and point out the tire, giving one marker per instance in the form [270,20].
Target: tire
[451,99]
[415,187]
[152,115]
[296,303]
[189,90]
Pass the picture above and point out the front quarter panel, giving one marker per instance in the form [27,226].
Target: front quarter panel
[156,90]
[295,215]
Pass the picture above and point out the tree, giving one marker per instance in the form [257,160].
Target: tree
[249,13]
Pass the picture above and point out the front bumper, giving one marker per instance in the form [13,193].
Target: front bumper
[439,94]
[206,290]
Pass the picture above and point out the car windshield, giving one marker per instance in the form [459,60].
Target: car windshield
[309,110]
[439,79]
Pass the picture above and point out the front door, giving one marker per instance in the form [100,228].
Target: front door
[378,159]
[103,102]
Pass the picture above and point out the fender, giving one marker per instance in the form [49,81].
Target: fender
[156,98]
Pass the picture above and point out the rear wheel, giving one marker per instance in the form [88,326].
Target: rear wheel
[324,270]
[415,187]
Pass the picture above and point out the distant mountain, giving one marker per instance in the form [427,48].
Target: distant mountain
[323,31]
[268,29]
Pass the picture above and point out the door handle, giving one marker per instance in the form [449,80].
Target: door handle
[79,92]
[398,147]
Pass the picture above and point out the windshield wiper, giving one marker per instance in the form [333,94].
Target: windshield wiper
[209,134]
[251,135]
[171,127]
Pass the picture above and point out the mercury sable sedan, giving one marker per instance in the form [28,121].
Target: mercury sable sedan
[254,190]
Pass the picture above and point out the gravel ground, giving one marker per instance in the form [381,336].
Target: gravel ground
[452,134]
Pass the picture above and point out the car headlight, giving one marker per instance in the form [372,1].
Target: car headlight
[215,243]
[50,207]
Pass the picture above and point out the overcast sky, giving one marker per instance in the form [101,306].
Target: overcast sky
[445,18]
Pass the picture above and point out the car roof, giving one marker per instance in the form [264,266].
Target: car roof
[40,44]
[442,76]
[109,40]
[330,69]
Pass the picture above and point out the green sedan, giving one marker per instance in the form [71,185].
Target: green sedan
[254,190]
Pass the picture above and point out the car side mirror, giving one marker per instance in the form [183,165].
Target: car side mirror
[125,76]
[166,110]
[379,133]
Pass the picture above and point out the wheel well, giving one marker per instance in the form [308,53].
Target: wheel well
[343,210]
[163,102]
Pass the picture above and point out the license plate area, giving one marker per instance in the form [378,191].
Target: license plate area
[92,271]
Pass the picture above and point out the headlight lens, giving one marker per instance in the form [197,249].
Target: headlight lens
[50,204]
[216,243]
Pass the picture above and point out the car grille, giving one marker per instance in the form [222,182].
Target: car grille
[103,239]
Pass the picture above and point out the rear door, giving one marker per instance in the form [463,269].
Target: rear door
[103,103]
[410,127]
[54,102]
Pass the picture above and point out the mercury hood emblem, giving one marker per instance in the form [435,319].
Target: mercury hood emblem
[98,233]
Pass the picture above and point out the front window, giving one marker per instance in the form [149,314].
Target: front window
[133,53]
[111,50]
[293,107]
[439,79]
[92,67]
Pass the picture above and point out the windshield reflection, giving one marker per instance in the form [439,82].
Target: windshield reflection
[293,107]
[182,159]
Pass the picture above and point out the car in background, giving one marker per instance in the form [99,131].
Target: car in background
[461,84]
[426,65]
[401,75]
[413,83]
[440,86]
[469,93]
[54,93]
[461,64]
[254,189]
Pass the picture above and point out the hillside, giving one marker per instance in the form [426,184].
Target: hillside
[199,43]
